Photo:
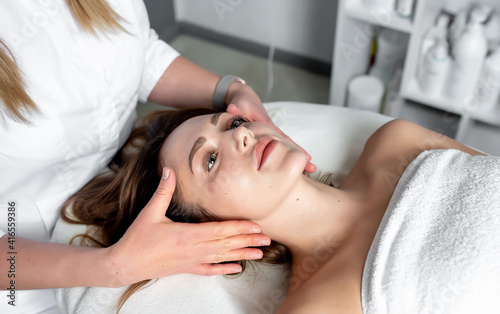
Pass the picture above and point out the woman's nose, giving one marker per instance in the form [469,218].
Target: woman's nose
[243,138]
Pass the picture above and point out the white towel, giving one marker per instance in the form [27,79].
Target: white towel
[260,290]
[437,249]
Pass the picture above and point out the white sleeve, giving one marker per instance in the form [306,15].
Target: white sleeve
[3,217]
[158,54]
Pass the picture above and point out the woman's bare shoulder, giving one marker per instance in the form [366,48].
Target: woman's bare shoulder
[399,134]
[398,142]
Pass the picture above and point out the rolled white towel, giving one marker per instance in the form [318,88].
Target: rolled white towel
[437,249]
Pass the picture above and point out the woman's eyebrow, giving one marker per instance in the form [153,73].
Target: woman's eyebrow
[215,118]
[197,145]
[201,140]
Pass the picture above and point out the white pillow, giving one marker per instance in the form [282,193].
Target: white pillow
[333,136]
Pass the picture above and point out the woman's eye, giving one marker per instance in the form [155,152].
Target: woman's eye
[211,160]
[237,122]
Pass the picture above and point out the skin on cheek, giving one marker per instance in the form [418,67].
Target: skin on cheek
[227,199]
[225,183]
[247,195]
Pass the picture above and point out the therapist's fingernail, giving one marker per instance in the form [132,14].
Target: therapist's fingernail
[255,230]
[166,174]
[265,242]
[256,255]
[236,269]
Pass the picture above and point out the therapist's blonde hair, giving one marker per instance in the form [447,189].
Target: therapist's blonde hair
[94,16]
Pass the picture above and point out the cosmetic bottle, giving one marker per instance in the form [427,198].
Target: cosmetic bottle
[391,49]
[434,68]
[488,88]
[458,25]
[492,29]
[469,53]
[436,33]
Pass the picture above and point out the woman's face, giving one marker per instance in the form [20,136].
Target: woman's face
[234,169]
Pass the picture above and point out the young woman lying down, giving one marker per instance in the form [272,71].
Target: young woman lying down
[412,228]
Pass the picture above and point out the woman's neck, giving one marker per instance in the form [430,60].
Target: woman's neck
[314,219]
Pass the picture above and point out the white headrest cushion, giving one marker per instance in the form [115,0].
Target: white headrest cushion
[333,136]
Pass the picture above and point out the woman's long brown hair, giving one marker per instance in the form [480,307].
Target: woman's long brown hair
[111,201]
[93,16]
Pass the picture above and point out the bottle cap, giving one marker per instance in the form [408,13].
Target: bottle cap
[443,20]
[479,14]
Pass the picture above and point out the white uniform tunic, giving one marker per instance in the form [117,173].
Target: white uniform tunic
[86,88]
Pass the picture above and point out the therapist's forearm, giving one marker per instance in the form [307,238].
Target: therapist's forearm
[39,265]
[185,85]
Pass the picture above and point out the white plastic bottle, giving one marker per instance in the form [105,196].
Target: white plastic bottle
[488,88]
[469,53]
[437,32]
[458,25]
[434,69]
[391,48]
[492,29]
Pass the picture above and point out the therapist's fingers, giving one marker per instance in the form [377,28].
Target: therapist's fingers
[233,248]
[212,263]
[310,167]
[208,231]
[216,269]
[154,246]
[234,255]
[234,110]
[250,113]
[217,263]
[158,204]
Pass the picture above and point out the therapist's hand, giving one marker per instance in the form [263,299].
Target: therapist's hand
[246,103]
[155,247]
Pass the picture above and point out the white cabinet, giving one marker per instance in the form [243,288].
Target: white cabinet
[352,46]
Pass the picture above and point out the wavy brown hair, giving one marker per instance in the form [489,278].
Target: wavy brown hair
[93,16]
[112,200]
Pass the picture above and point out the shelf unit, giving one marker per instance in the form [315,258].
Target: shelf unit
[381,16]
[352,45]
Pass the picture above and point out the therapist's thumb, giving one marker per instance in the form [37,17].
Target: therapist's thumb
[158,204]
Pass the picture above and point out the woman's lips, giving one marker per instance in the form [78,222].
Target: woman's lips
[263,149]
